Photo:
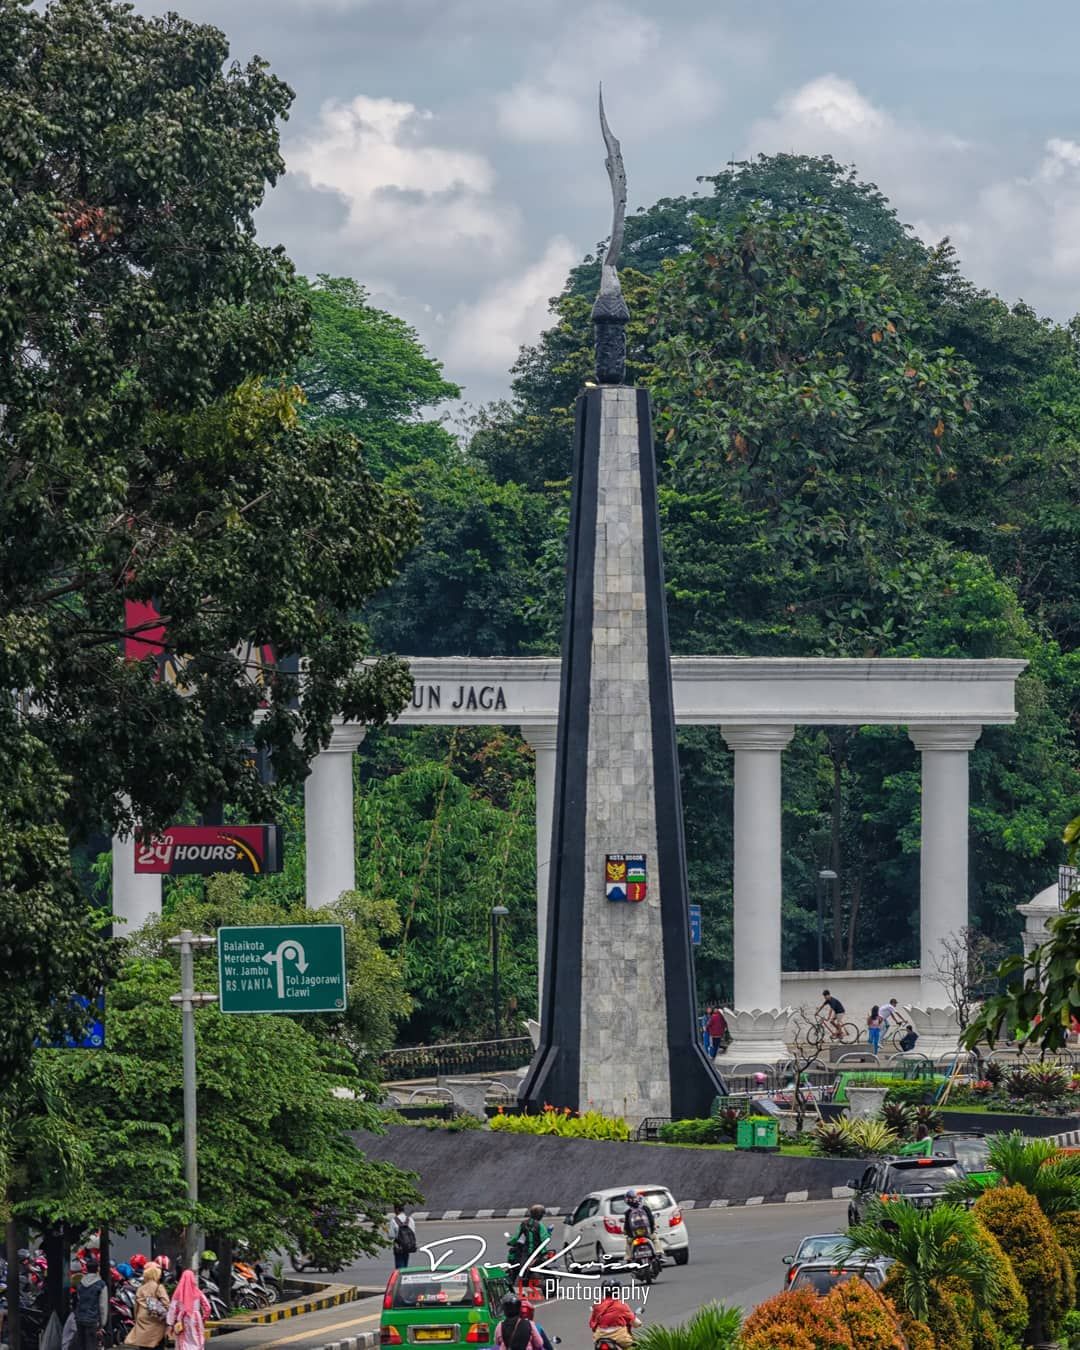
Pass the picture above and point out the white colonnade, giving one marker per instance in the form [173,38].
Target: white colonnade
[756,703]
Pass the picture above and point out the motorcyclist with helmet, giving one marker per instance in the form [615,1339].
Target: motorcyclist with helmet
[516,1331]
[612,1320]
[532,1234]
[527,1310]
[638,1221]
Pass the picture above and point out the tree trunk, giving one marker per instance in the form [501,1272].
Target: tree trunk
[224,1249]
[856,900]
[837,747]
[53,1243]
[14,1338]
[105,1257]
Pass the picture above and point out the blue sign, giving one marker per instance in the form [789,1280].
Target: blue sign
[93,1037]
[695,925]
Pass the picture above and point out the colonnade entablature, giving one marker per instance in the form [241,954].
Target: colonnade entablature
[757,702]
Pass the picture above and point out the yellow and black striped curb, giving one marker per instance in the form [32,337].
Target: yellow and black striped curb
[324,1296]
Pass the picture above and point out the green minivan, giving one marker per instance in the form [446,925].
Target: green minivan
[422,1306]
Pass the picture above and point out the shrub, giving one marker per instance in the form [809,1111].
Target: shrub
[830,1138]
[1067,1229]
[1003,1323]
[729,1117]
[1070,1331]
[994,1073]
[565,1123]
[929,1117]
[913,1091]
[850,1317]
[898,1116]
[870,1138]
[712,1327]
[1042,1268]
[709,1131]
[1046,1082]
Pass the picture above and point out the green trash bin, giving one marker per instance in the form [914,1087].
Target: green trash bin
[760,1134]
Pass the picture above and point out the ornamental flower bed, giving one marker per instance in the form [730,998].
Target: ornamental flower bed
[1038,1090]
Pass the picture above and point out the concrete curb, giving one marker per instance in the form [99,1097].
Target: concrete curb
[366,1340]
[790,1198]
[325,1296]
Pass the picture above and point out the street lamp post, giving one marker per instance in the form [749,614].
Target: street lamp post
[497,912]
[189,1000]
[826,874]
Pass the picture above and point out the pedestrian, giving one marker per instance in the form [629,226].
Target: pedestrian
[873,1029]
[151,1310]
[717,1029]
[187,1314]
[402,1236]
[91,1308]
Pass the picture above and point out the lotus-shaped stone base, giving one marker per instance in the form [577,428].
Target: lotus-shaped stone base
[938,1030]
[757,1037]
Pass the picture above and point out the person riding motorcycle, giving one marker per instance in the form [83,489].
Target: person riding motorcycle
[612,1320]
[638,1221]
[532,1234]
[527,1310]
[515,1331]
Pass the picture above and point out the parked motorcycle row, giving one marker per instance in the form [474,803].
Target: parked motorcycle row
[253,1288]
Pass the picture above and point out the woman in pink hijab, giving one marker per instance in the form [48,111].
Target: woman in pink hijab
[188,1311]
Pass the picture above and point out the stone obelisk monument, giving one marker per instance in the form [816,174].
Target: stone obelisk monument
[619,1026]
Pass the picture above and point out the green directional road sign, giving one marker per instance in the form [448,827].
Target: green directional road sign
[287,968]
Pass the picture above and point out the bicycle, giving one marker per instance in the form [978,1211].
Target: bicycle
[824,1031]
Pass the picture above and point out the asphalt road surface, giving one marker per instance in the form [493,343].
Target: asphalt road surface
[736,1257]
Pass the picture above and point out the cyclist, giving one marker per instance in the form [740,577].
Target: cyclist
[890,1013]
[832,1018]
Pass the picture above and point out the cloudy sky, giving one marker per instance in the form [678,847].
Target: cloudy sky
[446,152]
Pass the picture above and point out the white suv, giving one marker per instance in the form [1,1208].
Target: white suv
[597,1223]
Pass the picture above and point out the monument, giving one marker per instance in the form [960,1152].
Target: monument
[619,1024]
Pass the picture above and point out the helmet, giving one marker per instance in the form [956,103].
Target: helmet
[163,1262]
[124,1270]
[760,1078]
[23,1253]
[209,1258]
[511,1305]
[526,1308]
[632,1198]
[537,1211]
[138,1261]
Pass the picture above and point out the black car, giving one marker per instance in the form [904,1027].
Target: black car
[821,1276]
[920,1181]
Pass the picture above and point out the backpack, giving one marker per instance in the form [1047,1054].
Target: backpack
[516,1333]
[405,1241]
[638,1222]
[88,1303]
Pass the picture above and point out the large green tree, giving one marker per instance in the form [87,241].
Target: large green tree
[147,452]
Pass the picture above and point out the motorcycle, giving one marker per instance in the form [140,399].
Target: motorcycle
[603,1343]
[647,1258]
[516,1258]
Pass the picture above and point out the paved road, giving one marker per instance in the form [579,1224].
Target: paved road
[736,1257]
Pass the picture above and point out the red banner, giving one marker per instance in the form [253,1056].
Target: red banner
[204,849]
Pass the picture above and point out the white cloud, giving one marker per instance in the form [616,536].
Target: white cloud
[1017,235]
[649,78]
[486,334]
[409,200]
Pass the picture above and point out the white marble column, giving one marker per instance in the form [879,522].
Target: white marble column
[943,864]
[758,892]
[543,740]
[330,864]
[136,896]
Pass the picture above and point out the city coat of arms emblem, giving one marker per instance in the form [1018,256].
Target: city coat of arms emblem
[624,876]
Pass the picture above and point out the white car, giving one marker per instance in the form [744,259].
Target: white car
[597,1223]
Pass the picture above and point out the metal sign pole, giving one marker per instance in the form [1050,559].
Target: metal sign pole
[189,1000]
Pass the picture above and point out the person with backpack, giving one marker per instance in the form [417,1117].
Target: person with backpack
[638,1222]
[151,1310]
[402,1230]
[516,1331]
[91,1309]
[532,1233]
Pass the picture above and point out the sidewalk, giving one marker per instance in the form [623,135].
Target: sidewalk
[349,1326]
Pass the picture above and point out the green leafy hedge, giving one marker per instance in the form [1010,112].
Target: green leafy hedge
[565,1123]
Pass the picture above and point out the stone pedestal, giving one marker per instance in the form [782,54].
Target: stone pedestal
[1037,914]
[938,1030]
[757,1037]
[618,1026]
